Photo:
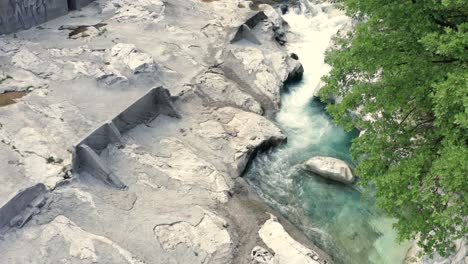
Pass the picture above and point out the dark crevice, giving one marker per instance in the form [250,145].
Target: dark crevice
[71,5]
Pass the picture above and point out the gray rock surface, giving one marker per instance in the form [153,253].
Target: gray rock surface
[179,197]
[330,168]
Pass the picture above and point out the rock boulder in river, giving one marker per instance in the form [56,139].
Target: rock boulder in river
[296,71]
[330,168]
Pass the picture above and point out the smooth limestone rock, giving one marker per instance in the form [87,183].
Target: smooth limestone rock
[184,165]
[254,62]
[180,204]
[330,168]
[29,61]
[286,249]
[208,239]
[215,86]
[249,132]
[82,243]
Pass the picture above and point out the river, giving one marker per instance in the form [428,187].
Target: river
[340,219]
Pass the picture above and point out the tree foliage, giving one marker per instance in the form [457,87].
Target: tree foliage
[403,78]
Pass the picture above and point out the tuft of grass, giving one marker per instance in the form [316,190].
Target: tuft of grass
[50,159]
[102,31]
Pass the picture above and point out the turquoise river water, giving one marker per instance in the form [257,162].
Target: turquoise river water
[338,218]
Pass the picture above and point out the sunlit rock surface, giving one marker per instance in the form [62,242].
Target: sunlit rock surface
[183,200]
[286,248]
[330,168]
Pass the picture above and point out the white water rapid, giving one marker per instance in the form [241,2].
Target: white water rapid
[338,218]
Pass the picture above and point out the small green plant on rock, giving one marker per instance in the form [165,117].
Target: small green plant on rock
[50,159]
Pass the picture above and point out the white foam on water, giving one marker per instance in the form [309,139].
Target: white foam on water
[310,38]
[346,226]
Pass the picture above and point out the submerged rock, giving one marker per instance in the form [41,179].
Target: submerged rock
[330,168]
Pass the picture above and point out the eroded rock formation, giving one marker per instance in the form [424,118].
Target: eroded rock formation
[154,175]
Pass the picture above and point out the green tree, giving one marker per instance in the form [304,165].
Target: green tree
[405,66]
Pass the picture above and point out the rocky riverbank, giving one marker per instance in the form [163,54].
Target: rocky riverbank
[223,65]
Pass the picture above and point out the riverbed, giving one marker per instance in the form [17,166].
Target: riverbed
[340,219]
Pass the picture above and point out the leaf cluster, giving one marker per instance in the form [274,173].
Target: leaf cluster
[403,78]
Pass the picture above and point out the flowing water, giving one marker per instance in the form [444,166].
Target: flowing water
[338,218]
